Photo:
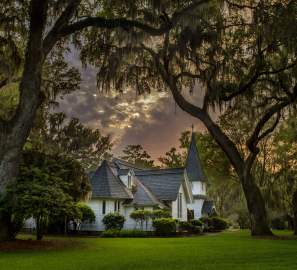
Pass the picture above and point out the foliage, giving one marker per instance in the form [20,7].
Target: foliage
[135,154]
[113,221]
[46,189]
[185,226]
[161,213]
[58,135]
[196,222]
[214,224]
[139,216]
[243,219]
[134,233]
[110,233]
[219,224]
[164,226]
[86,213]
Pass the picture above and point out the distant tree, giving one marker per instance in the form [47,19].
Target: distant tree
[172,159]
[58,135]
[284,178]
[135,154]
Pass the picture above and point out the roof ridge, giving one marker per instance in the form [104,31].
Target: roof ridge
[127,163]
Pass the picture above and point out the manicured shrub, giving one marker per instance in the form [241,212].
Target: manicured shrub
[160,213]
[219,224]
[206,221]
[164,226]
[196,222]
[214,224]
[139,216]
[113,221]
[110,233]
[197,226]
[134,233]
[185,226]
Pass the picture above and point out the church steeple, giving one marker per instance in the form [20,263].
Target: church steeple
[194,167]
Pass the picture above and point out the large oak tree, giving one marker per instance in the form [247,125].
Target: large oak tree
[235,52]
[34,29]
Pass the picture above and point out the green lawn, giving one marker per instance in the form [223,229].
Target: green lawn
[230,250]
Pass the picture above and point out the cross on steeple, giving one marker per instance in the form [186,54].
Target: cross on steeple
[192,128]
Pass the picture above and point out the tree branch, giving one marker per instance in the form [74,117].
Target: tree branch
[220,137]
[255,138]
[54,34]
[128,24]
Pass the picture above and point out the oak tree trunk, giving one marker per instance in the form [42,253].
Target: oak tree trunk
[256,207]
[13,133]
[294,203]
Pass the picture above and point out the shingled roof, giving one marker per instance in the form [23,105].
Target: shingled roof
[105,184]
[193,165]
[143,196]
[163,183]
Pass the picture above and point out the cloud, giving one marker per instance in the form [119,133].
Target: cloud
[152,120]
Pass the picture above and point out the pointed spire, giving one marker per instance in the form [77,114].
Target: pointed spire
[194,165]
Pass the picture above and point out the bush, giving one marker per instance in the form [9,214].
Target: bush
[110,233]
[87,214]
[185,226]
[159,213]
[113,221]
[164,226]
[219,224]
[196,222]
[213,224]
[134,233]
[197,226]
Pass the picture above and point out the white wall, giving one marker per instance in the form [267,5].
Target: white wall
[184,206]
[30,223]
[96,205]
[198,188]
[197,207]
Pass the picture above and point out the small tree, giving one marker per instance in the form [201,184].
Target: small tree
[84,213]
[113,221]
[139,216]
[40,192]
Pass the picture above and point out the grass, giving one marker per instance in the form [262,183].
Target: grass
[230,250]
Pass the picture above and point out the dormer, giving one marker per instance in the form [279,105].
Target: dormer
[126,176]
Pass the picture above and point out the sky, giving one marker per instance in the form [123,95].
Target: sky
[152,120]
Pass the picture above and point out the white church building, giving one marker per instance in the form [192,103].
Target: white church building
[118,186]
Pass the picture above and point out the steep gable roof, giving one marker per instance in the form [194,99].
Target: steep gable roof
[163,183]
[194,165]
[106,184]
[143,196]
